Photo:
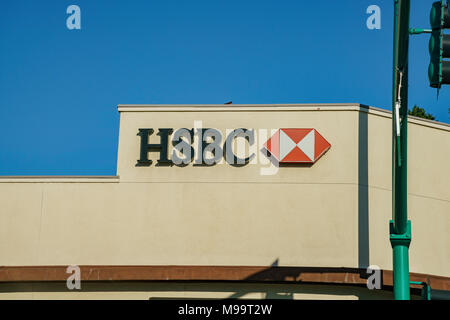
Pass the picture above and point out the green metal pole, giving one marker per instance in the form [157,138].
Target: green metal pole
[400,227]
[400,246]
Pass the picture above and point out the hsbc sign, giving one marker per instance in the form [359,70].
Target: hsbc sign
[297,145]
[237,147]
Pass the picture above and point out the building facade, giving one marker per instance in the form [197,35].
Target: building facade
[299,217]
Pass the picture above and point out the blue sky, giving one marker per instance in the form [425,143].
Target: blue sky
[59,88]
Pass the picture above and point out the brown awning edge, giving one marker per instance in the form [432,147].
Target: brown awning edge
[319,275]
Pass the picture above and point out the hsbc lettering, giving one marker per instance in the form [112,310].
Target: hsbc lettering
[207,146]
[210,147]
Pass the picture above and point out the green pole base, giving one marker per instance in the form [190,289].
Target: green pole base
[400,246]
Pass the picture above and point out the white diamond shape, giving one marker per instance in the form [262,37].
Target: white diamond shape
[307,145]
[286,144]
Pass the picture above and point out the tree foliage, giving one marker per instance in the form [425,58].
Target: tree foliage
[421,113]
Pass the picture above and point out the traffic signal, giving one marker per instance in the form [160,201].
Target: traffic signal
[439,69]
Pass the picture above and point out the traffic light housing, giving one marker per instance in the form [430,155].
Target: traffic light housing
[439,46]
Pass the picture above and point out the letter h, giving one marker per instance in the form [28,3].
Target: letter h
[162,147]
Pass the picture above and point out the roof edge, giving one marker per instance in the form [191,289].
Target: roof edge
[276,107]
[59,179]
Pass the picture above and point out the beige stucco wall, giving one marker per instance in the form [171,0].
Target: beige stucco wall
[332,214]
[428,194]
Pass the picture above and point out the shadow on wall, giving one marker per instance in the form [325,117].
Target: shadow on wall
[295,274]
[363,192]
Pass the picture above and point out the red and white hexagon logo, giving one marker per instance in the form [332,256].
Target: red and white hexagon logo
[297,145]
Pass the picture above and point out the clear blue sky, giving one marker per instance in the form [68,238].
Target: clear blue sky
[59,88]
